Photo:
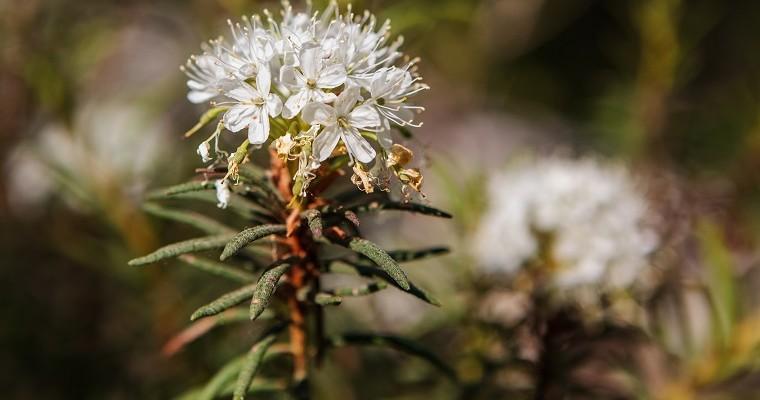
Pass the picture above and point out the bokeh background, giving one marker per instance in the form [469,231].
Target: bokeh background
[92,110]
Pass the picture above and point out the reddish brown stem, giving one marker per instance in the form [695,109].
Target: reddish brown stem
[301,277]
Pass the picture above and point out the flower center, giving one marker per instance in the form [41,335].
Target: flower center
[311,83]
[258,101]
[343,122]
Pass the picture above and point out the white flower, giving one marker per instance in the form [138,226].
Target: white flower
[389,90]
[204,150]
[590,216]
[338,71]
[223,192]
[310,80]
[206,78]
[343,122]
[253,108]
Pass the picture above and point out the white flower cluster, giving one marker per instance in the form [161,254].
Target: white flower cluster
[580,221]
[336,73]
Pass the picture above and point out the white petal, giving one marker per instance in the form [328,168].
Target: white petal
[223,193]
[332,76]
[195,85]
[358,146]
[242,92]
[274,105]
[238,117]
[204,150]
[258,131]
[385,139]
[263,81]
[378,86]
[295,103]
[325,142]
[345,102]
[311,62]
[319,113]
[364,116]
[323,97]
[291,77]
[200,96]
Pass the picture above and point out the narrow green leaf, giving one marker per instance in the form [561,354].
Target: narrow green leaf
[413,255]
[395,205]
[314,220]
[258,177]
[187,246]
[193,219]
[414,290]
[258,385]
[217,268]
[251,366]
[395,342]
[327,299]
[228,300]
[237,204]
[187,187]
[265,287]
[221,378]
[381,259]
[363,290]
[249,235]
[207,117]
[721,282]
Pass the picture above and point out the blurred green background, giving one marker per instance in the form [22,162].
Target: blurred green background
[92,108]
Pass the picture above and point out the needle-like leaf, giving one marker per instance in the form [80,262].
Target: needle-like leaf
[228,300]
[187,246]
[266,285]
[400,206]
[381,259]
[251,365]
[217,268]
[249,235]
[412,255]
[196,220]
[363,290]
[314,220]
[187,187]
[395,342]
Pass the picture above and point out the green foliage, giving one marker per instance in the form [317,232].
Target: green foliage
[249,235]
[721,285]
[382,259]
[370,271]
[196,220]
[413,255]
[205,119]
[187,187]
[228,300]
[184,247]
[251,365]
[256,200]
[327,299]
[266,285]
[223,377]
[314,221]
[399,206]
[217,268]
[363,290]
[395,342]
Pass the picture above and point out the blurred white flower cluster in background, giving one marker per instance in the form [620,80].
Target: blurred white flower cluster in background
[575,223]
[317,84]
